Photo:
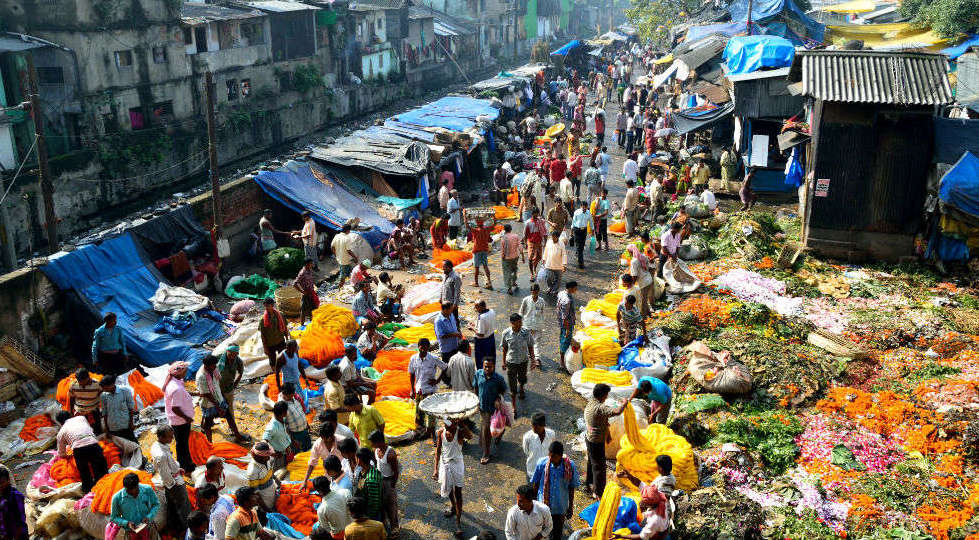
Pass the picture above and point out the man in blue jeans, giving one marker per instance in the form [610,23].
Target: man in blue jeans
[490,387]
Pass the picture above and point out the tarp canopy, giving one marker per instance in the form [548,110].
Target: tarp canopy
[700,117]
[953,137]
[887,36]
[116,276]
[613,36]
[958,50]
[798,27]
[169,233]
[853,6]
[746,54]
[457,113]
[572,45]
[959,187]
[378,151]
[304,187]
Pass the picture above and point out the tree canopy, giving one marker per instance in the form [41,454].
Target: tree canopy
[946,17]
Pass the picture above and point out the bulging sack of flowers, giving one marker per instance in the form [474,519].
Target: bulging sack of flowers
[718,372]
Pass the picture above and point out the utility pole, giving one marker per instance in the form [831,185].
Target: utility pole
[212,152]
[611,15]
[43,172]
[749,17]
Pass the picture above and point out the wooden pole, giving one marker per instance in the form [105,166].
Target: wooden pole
[212,151]
[44,172]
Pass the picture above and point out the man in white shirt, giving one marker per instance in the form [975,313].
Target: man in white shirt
[630,204]
[462,369]
[171,477]
[707,197]
[484,342]
[536,442]
[454,208]
[566,192]
[528,519]
[555,260]
[308,235]
[630,168]
[670,241]
[341,250]
[77,434]
[332,513]
[443,195]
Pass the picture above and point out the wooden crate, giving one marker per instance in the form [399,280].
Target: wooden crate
[836,344]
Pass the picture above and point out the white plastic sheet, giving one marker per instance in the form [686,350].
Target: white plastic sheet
[168,299]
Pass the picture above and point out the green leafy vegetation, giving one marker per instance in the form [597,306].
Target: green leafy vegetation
[307,77]
[771,434]
[946,17]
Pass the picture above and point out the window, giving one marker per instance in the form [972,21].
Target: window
[380,24]
[232,89]
[124,59]
[188,36]
[253,33]
[51,75]
[136,119]
[160,55]
[163,111]
[246,87]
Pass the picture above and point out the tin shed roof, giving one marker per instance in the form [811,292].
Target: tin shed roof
[900,78]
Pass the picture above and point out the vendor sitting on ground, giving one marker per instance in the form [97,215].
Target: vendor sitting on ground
[360,273]
[439,231]
[389,297]
[371,341]
[351,378]
[363,304]
[400,245]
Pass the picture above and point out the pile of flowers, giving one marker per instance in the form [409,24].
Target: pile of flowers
[710,312]
[753,287]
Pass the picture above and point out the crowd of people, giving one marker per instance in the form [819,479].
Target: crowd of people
[563,205]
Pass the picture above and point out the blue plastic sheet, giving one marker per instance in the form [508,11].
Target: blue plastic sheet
[400,204]
[794,176]
[115,276]
[626,517]
[764,11]
[960,185]
[295,186]
[954,52]
[283,525]
[746,54]
[457,113]
[572,45]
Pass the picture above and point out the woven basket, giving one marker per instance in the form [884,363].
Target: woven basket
[965,320]
[289,301]
[450,404]
[836,344]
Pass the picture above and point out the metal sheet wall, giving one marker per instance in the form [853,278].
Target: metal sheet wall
[765,98]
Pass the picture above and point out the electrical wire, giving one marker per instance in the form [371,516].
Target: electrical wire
[16,174]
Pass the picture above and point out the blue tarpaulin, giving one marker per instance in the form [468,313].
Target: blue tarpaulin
[116,276]
[400,204]
[296,186]
[960,185]
[954,52]
[695,33]
[795,21]
[572,45]
[457,113]
[746,54]
[953,136]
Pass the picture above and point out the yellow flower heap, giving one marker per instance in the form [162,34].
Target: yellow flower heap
[638,451]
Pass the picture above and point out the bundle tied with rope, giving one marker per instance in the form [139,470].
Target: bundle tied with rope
[638,451]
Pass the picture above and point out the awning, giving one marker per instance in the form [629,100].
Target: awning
[665,76]
[700,118]
[304,187]
[854,6]
[572,45]
[665,60]
[887,36]
[954,52]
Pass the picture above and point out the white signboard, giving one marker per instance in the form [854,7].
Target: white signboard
[759,151]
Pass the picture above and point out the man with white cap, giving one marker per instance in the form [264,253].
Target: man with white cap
[454,209]
[180,412]
[260,475]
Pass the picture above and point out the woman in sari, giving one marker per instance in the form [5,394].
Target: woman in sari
[439,232]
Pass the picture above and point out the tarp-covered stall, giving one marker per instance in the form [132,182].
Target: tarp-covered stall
[959,188]
[116,276]
[746,54]
[700,117]
[302,186]
[779,17]
[457,113]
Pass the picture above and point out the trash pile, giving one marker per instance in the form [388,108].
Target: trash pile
[817,400]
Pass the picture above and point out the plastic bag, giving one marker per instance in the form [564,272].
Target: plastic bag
[573,359]
[592,244]
[627,516]
[497,423]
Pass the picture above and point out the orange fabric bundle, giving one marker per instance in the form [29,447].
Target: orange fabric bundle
[617,227]
[298,507]
[146,391]
[110,484]
[320,346]
[392,359]
[273,392]
[502,212]
[61,394]
[192,496]
[200,450]
[425,309]
[456,256]
[394,383]
[497,229]
[513,198]
[64,471]
[34,423]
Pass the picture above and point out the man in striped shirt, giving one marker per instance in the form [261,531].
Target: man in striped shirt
[83,399]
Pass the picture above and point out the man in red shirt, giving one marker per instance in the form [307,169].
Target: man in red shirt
[599,129]
[481,239]
[574,166]
[558,168]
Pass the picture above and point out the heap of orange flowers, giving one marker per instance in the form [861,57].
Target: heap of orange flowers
[298,506]
[201,450]
[64,472]
[709,312]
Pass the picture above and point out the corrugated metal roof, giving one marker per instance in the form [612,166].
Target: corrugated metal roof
[279,6]
[197,13]
[900,78]
[760,74]
[712,48]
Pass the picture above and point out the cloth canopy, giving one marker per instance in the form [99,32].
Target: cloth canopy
[700,118]
[116,276]
[958,50]
[887,36]
[572,45]
[457,113]
[302,186]
[853,6]
[746,54]
[795,23]
[959,187]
